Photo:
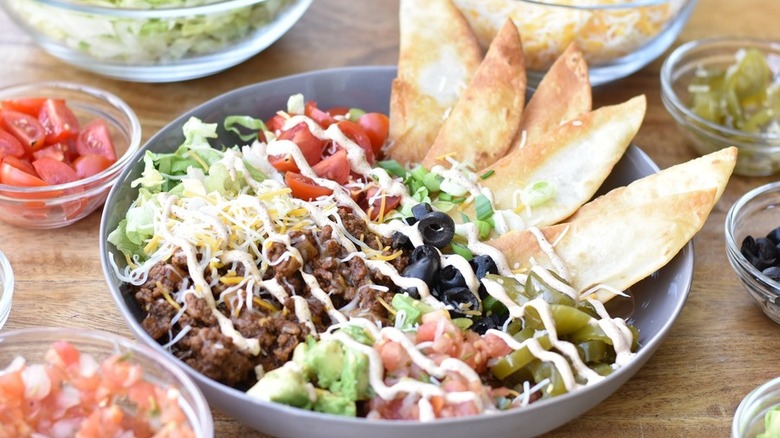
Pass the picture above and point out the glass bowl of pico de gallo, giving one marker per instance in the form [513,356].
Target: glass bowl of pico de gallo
[78,382]
[62,146]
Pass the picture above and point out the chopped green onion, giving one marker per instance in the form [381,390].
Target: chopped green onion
[484,229]
[483,207]
[418,173]
[393,168]
[445,197]
[354,114]
[432,181]
[462,250]
[458,200]
[487,174]
[232,124]
[538,193]
[464,218]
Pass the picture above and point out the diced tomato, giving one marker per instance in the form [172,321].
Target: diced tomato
[16,172]
[376,126]
[24,127]
[354,132]
[54,172]
[95,138]
[58,121]
[283,163]
[92,164]
[10,146]
[27,105]
[304,187]
[321,117]
[310,146]
[275,123]
[338,111]
[334,167]
[57,151]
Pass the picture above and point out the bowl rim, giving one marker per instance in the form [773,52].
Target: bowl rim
[755,394]
[628,5]
[107,175]
[184,383]
[7,289]
[693,120]
[732,248]
[686,255]
[206,8]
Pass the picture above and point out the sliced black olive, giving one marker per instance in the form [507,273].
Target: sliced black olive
[483,265]
[461,299]
[436,228]
[425,269]
[772,272]
[774,236]
[485,323]
[761,252]
[401,241]
[421,210]
[425,252]
[450,277]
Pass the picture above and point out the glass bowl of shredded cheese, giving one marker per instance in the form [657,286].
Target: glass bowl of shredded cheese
[617,37]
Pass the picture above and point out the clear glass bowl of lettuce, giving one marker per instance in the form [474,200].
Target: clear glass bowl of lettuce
[155,40]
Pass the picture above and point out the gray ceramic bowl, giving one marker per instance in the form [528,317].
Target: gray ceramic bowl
[656,304]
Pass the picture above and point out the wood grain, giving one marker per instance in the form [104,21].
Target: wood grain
[719,349]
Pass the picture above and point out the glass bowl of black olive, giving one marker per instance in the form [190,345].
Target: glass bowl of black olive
[753,245]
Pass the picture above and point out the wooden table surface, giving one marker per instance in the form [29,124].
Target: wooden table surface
[720,348]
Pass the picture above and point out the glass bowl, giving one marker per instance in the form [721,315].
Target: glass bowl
[749,417]
[32,344]
[63,204]
[754,214]
[6,288]
[153,41]
[617,37]
[759,153]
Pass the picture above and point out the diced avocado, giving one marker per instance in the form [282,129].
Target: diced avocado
[354,376]
[330,403]
[321,362]
[286,385]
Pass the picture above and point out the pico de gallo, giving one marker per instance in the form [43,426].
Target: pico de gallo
[72,394]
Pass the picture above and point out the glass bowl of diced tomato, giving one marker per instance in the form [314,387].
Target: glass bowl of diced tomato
[61,381]
[62,146]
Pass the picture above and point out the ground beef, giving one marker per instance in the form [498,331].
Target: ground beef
[346,280]
[213,354]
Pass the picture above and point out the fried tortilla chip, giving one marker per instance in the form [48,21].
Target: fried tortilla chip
[483,123]
[572,160]
[680,178]
[628,233]
[563,94]
[438,57]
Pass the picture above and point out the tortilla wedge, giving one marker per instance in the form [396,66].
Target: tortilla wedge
[481,126]
[706,172]
[563,94]
[438,56]
[575,158]
[606,244]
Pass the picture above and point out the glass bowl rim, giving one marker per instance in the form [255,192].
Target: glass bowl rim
[631,4]
[754,395]
[7,288]
[207,8]
[184,383]
[679,54]
[733,249]
[107,175]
